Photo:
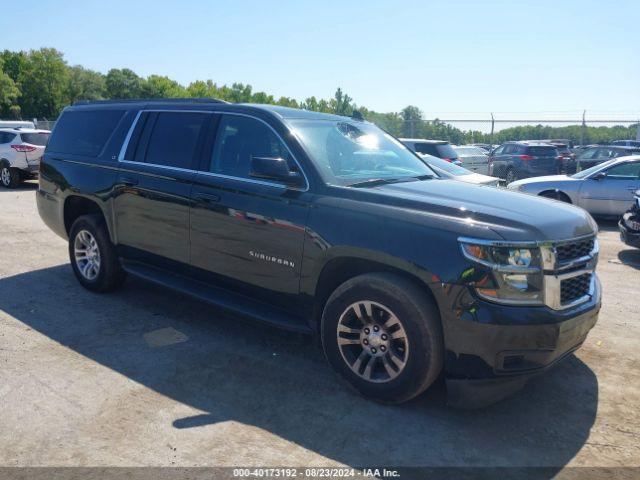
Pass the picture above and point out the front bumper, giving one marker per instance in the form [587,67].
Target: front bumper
[627,235]
[492,350]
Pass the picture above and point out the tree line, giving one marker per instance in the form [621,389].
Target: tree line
[40,83]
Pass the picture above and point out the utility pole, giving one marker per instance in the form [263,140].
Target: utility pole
[584,127]
[492,125]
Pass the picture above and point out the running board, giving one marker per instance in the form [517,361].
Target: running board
[231,302]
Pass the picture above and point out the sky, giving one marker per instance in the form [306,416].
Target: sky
[449,58]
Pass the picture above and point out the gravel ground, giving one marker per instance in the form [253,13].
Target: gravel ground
[148,377]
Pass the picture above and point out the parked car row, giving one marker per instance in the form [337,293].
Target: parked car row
[604,189]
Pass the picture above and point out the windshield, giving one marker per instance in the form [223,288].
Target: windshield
[448,167]
[595,168]
[347,153]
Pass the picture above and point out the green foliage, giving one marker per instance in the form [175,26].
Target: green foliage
[85,84]
[123,84]
[42,80]
[156,86]
[39,83]
[9,91]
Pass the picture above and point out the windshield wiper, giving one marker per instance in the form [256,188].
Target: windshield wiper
[373,182]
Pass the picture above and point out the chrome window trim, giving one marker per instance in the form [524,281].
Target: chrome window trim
[283,186]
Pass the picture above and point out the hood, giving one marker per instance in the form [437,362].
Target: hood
[511,215]
[546,178]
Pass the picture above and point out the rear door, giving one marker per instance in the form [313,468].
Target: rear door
[613,194]
[152,193]
[245,232]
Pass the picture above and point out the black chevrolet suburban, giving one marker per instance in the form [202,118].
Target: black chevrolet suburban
[325,224]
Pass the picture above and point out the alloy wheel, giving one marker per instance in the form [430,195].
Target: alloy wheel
[5,176]
[372,341]
[87,254]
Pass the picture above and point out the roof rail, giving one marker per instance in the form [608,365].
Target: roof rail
[138,100]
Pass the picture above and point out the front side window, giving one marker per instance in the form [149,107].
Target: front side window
[624,171]
[173,139]
[239,139]
[347,152]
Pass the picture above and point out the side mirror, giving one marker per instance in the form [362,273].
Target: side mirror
[276,169]
[600,176]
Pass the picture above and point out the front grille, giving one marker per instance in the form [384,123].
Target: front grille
[573,250]
[575,287]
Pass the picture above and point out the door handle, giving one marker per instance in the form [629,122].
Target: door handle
[207,197]
[128,181]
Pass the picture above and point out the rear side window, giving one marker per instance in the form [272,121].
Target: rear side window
[446,151]
[84,132]
[429,148]
[172,139]
[40,139]
[6,137]
[542,151]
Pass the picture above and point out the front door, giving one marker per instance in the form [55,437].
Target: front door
[613,194]
[244,231]
[152,197]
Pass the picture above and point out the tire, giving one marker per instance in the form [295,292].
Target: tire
[89,233]
[511,176]
[10,177]
[383,298]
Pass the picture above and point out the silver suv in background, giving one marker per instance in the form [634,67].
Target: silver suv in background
[473,158]
[20,152]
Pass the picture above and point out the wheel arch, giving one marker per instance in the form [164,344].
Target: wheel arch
[566,198]
[339,269]
[78,205]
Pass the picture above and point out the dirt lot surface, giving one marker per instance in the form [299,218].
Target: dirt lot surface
[145,376]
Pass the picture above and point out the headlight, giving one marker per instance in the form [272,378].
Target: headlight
[516,273]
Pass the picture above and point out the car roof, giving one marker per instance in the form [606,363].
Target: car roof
[532,143]
[423,140]
[23,130]
[204,103]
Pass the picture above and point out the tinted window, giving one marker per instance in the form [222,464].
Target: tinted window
[6,137]
[239,139]
[606,153]
[588,154]
[446,151]
[429,148]
[35,138]
[84,132]
[625,171]
[173,139]
[509,149]
[542,151]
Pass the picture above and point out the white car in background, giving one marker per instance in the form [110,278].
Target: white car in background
[20,152]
